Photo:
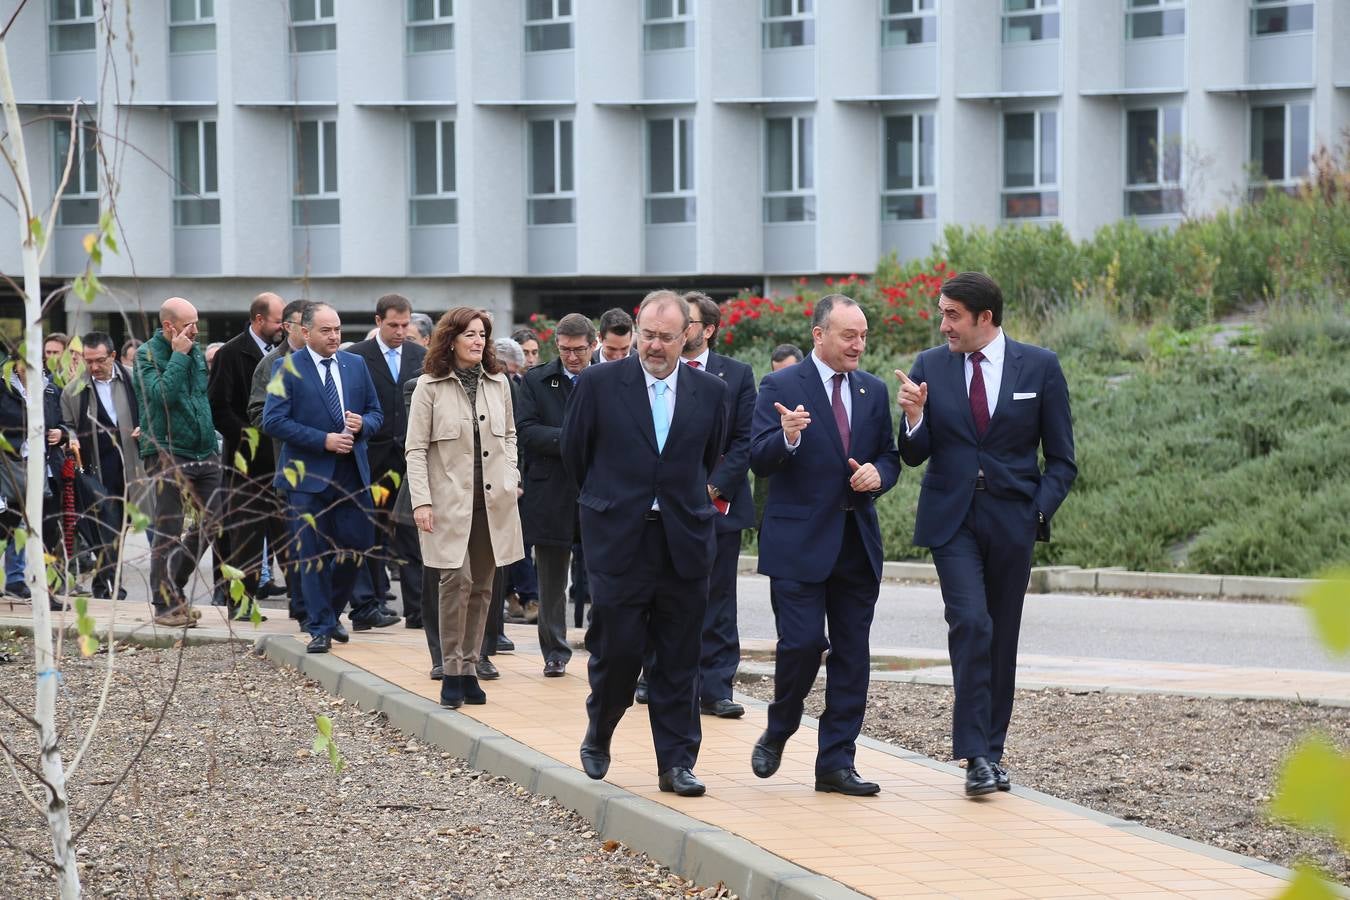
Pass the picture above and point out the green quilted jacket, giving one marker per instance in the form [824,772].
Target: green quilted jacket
[175,412]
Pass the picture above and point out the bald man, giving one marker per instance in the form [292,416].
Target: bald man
[178,447]
[251,512]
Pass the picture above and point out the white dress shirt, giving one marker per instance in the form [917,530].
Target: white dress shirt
[992,369]
[104,390]
[262,345]
[337,373]
[827,379]
[384,352]
[701,359]
[669,382]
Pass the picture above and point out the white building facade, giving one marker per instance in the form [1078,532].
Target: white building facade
[558,154]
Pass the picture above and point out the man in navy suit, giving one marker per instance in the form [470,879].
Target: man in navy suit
[822,430]
[979,409]
[641,438]
[323,421]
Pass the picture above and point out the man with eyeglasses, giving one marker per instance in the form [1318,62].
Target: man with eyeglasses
[641,439]
[548,507]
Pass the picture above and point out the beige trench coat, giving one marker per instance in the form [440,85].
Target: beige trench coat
[439,450]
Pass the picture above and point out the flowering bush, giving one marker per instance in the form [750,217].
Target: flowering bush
[542,326]
[900,311]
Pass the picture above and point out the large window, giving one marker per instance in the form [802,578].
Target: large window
[789,169]
[196,199]
[1281,16]
[1153,161]
[1030,20]
[1281,142]
[313,26]
[1154,18]
[667,24]
[670,171]
[192,26]
[548,25]
[552,199]
[789,23]
[433,174]
[72,25]
[908,22]
[316,179]
[908,189]
[431,25]
[79,203]
[1031,164]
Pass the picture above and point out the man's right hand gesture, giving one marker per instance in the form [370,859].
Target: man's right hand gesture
[913,397]
[794,421]
[178,340]
[335,442]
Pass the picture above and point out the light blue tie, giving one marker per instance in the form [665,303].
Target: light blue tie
[392,355]
[660,418]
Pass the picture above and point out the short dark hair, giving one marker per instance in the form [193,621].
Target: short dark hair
[99,339]
[295,307]
[784,351]
[60,337]
[825,305]
[521,335]
[259,305]
[307,316]
[707,308]
[392,303]
[575,325]
[977,292]
[615,321]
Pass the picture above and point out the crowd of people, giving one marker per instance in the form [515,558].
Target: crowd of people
[491,484]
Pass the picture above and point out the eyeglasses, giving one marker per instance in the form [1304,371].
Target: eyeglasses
[695,321]
[651,337]
[573,351]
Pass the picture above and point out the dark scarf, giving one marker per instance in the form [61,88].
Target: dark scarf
[468,379]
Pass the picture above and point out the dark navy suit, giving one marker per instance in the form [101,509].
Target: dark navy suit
[648,570]
[333,488]
[820,545]
[982,540]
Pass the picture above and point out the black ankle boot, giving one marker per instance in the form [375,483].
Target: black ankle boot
[473,694]
[452,691]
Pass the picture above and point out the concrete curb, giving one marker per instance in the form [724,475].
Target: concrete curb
[1072,579]
[693,849]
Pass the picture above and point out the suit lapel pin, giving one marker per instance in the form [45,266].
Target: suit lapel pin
[553,383]
[862,390]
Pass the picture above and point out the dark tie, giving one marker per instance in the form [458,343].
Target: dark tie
[330,394]
[979,403]
[695,364]
[840,414]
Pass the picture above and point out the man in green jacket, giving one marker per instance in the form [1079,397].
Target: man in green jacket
[178,447]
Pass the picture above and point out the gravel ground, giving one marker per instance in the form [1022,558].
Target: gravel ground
[228,799]
[1203,769]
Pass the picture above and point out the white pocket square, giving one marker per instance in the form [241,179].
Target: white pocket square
[1028,396]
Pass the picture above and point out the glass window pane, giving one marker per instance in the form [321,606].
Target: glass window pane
[330,158]
[1141,146]
[192,38]
[1049,148]
[806,155]
[1156,202]
[686,154]
[1019,150]
[440,211]
[196,211]
[668,36]
[1146,25]
[88,160]
[542,38]
[1299,149]
[777,8]
[1018,5]
[899,7]
[1031,206]
[314,38]
[431,38]
[1268,142]
[208,9]
[899,153]
[789,209]
[315,212]
[660,9]
[70,38]
[538,9]
[421,10]
[927,154]
[209,156]
[551,212]
[778,155]
[448,156]
[60,148]
[302,10]
[541,158]
[65,10]
[909,206]
[670,210]
[307,159]
[326,9]
[186,163]
[1301,17]
[565,155]
[661,156]
[179,10]
[1172,144]
[424,158]
[75,211]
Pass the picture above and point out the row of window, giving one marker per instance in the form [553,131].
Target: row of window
[667,24]
[1280,148]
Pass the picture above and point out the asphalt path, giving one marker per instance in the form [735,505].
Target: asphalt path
[1261,635]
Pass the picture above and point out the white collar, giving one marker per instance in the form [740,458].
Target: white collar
[257,339]
[385,348]
[318,360]
[701,359]
[826,373]
[994,350]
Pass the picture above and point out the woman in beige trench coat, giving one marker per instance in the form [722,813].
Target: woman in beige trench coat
[462,478]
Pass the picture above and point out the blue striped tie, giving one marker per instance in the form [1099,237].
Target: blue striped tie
[330,394]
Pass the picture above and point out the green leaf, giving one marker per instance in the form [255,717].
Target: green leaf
[236,590]
[1329,603]
[5,444]
[277,386]
[1307,885]
[288,364]
[325,726]
[250,436]
[139,520]
[289,473]
[81,288]
[35,229]
[240,463]
[300,468]
[1314,788]
[20,539]
[308,519]
[110,242]
[255,613]
[230,572]
[396,478]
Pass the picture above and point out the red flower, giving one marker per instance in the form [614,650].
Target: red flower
[923,314]
[829,280]
[726,338]
[534,317]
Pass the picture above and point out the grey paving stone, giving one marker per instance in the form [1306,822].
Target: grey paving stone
[408,712]
[650,827]
[573,789]
[324,668]
[815,887]
[746,868]
[363,689]
[506,756]
[455,733]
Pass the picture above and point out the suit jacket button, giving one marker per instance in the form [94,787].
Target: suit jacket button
[482,418]
[487,487]
[485,453]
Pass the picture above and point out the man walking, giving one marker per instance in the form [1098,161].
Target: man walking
[641,438]
[979,410]
[822,430]
[323,421]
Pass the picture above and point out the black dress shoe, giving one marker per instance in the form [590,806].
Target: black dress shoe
[767,756]
[320,643]
[640,694]
[18,589]
[486,670]
[680,781]
[723,709]
[412,623]
[473,694]
[377,620]
[846,781]
[339,633]
[980,778]
[1001,777]
[452,692]
[270,590]
[505,644]
[594,755]
[554,668]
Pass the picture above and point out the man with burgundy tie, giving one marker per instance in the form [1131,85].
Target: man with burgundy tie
[820,543]
[978,410]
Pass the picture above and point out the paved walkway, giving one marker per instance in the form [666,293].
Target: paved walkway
[919,838]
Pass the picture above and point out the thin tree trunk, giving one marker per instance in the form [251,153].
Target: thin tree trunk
[53,775]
